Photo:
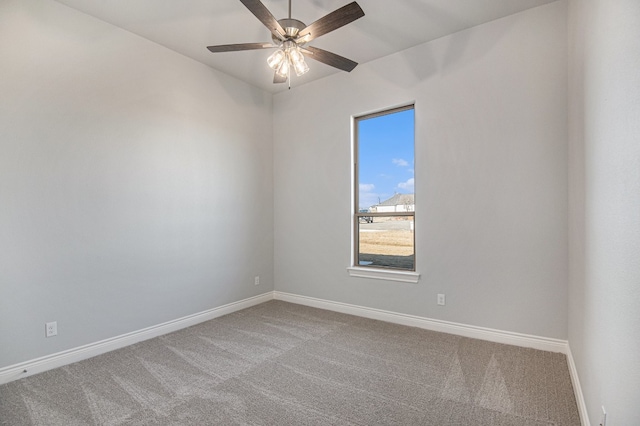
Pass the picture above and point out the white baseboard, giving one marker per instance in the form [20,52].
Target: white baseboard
[482,333]
[577,389]
[49,362]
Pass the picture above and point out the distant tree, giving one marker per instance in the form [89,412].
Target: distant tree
[407,205]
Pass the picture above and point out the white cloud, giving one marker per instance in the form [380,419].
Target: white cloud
[400,162]
[367,198]
[408,185]
[366,187]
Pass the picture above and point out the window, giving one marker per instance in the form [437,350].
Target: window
[384,210]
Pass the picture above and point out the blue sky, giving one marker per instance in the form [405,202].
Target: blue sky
[385,157]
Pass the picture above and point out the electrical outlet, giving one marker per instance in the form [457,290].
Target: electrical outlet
[441,299]
[51,329]
[256,280]
[603,419]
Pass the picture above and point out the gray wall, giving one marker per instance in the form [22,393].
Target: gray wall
[604,285]
[135,184]
[133,192]
[491,176]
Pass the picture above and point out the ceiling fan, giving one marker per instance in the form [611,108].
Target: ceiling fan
[290,37]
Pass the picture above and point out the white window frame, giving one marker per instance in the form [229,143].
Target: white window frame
[376,272]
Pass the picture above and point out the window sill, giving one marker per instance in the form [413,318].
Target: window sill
[384,274]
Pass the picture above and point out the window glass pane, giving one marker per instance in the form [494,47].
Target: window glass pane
[385,158]
[386,242]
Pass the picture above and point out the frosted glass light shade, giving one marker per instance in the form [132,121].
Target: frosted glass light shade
[283,69]
[295,55]
[301,67]
[276,59]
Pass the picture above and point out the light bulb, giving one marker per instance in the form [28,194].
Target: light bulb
[297,60]
[296,56]
[283,69]
[276,59]
[301,67]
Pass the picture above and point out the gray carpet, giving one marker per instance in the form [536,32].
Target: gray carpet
[285,364]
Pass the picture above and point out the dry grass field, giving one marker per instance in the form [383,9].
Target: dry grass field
[392,242]
[391,248]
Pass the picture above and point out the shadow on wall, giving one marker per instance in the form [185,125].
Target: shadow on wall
[431,58]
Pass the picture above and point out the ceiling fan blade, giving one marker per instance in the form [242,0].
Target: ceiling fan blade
[332,21]
[240,46]
[329,58]
[277,78]
[262,13]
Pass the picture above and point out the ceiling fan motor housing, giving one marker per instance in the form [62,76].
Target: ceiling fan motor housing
[291,26]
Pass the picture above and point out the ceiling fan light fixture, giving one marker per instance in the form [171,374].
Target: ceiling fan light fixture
[301,68]
[297,60]
[295,55]
[276,59]
[299,64]
[283,69]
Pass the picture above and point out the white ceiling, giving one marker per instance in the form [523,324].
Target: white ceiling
[188,26]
